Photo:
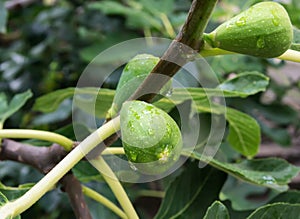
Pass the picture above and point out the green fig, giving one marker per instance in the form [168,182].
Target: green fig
[134,73]
[263,30]
[151,138]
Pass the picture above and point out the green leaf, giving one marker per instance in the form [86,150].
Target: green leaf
[3,199]
[296,41]
[277,210]
[291,197]
[235,63]
[190,194]
[6,110]
[245,84]
[85,172]
[244,132]
[273,173]
[104,98]
[12,193]
[3,17]
[84,98]
[51,101]
[217,211]
[136,17]
[156,6]
[252,83]
[239,193]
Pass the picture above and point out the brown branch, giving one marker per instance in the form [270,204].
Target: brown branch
[41,158]
[12,4]
[73,188]
[44,159]
[184,48]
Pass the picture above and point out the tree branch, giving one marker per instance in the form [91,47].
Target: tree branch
[74,190]
[44,159]
[41,158]
[185,47]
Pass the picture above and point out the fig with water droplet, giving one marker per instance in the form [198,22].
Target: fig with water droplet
[134,73]
[151,138]
[263,30]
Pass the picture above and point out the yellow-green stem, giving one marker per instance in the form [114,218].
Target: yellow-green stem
[289,55]
[21,204]
[66,143]
[104,201]
[115,185]
[113,150]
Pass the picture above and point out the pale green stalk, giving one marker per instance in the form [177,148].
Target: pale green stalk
[113,150]
[66,143]
[115,185]
[21,204]
[289,55]
[103,200]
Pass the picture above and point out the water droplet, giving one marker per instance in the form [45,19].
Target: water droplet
[169,93]
[130,126]
[269,179]
[228,25]
[150,132]
[260,43]
[134,168]
[241,22]
[275,19]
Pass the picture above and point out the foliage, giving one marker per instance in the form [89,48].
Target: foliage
[45,48]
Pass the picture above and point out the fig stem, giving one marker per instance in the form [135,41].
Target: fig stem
[289,55]
[14,208]
[63,141]
[115,185]
[103,200]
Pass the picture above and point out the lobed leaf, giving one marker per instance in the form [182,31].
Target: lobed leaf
[6,110]
[12,193]
[100,99]
[190,194]
[273,173]
[244,132]
[245,84]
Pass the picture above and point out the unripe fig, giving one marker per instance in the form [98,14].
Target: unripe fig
[134,73]
[151,138]
[263,30]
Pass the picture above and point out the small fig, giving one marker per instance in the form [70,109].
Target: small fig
[151,138]
[263,30]
[134,73]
